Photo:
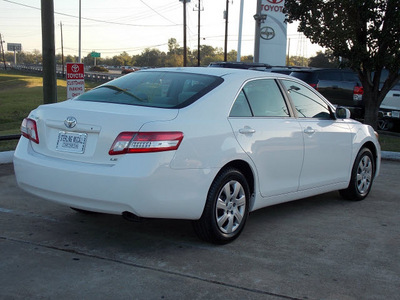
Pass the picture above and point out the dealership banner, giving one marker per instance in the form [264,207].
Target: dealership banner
[273,33]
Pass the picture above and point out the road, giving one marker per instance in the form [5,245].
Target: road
[316,248]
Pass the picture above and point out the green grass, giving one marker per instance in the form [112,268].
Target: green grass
[19,94]
[389,142]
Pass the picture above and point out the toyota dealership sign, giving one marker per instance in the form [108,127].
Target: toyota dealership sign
[75,79]
[273,33]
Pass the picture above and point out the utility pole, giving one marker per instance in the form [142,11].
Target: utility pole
[62,50]
[184,34]
[226,31]
[2,51]
[199,9]
[48,51]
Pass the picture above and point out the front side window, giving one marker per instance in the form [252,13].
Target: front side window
[260,98]
[153,89]
[307,104]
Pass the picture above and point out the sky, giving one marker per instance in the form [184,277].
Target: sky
[111,27]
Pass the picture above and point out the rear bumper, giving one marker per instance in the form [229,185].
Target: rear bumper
[389,113]
[142,184]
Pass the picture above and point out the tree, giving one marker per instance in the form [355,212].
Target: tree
[173,46]
[124,59]
[364,32]
[324,60]
[299,61]
[150,58]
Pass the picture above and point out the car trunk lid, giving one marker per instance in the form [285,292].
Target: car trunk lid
[85,131]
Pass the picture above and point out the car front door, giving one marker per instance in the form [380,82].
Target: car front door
[327,141]
[270,135]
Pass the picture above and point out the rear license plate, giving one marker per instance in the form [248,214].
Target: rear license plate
[71,142]
[395,114]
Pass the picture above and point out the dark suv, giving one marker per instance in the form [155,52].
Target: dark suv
[340,87]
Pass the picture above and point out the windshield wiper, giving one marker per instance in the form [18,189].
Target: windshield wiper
[125,91]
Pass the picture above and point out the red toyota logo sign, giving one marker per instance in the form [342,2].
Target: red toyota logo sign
[74,68]
[275,1]
[75,71]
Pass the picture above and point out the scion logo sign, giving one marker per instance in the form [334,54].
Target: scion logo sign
[267,33]
[273,33]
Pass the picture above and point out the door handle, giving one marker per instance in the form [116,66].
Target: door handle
[247,130]
[309,131]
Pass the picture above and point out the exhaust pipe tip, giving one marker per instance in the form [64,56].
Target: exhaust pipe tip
[131,217]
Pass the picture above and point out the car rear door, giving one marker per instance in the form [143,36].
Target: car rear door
[264,128]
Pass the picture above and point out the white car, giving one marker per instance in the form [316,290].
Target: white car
[390,109]
[205,144]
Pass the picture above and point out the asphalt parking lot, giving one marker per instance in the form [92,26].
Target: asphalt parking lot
[316,248]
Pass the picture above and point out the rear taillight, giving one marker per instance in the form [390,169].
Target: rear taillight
[314,85]
[358,92]
[140,142]
[29,130]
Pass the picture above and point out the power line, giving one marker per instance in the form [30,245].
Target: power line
[90,19]
[158,13]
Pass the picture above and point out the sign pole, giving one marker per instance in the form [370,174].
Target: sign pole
[257,17]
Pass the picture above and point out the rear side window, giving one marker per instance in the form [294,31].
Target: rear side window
[260,98]
[330,75]
[305,76]
[154,89]
[349,76]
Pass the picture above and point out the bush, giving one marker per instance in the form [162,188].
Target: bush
[98,69]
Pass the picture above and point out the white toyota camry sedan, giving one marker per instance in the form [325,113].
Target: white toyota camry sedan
[204,144]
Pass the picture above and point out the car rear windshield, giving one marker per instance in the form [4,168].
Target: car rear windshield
[154,89]
[308,77]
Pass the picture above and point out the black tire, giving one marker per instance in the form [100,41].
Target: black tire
[226,209]
[362,176]
[385,124]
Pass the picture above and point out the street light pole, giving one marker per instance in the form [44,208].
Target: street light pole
[62,50]
[239,52]
[80,35]
[2,51]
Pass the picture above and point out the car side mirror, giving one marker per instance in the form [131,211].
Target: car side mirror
[342,113]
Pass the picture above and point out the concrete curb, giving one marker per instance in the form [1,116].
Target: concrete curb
[6,157]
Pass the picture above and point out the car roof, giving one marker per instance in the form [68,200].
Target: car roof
[239,65]
[312,70]
[220,72]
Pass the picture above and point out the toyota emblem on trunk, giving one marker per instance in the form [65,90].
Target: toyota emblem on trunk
[70,122]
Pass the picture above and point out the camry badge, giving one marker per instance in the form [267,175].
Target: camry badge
[70,122]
